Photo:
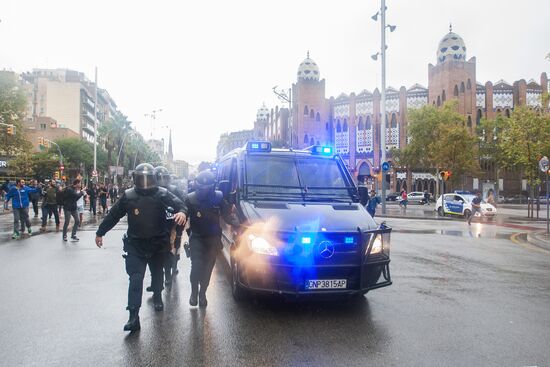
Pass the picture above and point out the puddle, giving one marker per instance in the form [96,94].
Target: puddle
[455,233]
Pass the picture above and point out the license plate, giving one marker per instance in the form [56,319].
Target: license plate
[326,284]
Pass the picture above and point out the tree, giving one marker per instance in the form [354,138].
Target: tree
[525,138]
[112,133]
[439,139]
[13,104]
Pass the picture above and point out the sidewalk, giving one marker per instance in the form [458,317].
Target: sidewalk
[540,239]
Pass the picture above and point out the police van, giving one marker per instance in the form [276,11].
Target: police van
[302,231]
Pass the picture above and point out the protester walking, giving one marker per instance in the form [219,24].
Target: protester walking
[19,196]
[70,197]
[50,206]
[374,200]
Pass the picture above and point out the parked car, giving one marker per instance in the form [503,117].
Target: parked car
[414,197]
[393,196]
[461,204]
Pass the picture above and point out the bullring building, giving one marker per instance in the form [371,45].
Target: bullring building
[351,123]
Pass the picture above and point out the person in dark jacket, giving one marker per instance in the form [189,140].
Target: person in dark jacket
[151,211]
[19,195]
[49,206]
[103,193]
[204,206]
[59,198]
[70,197]
[35,196]
[92,195]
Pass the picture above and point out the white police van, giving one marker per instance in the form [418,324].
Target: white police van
[460,203]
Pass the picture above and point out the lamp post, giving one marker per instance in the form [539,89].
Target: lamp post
[284,97]
[382,54]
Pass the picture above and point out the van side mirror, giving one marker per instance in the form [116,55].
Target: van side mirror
[224,187]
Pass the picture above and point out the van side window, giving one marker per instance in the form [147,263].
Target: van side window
[233,177]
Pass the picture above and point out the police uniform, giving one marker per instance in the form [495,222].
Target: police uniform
[204,211]
[146,241]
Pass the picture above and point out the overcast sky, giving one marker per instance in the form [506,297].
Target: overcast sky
[211,64]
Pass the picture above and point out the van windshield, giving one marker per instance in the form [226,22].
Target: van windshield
[296,178]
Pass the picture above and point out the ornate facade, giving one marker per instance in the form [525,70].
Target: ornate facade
[351,123]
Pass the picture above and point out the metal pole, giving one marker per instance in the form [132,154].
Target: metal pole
[290,122]
[383,109]
[95,122]
[547,205]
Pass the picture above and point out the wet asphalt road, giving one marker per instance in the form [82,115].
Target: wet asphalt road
[461,297]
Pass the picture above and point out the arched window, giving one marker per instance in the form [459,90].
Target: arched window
[326,126]
[360,125]
[306,110]
[455,93]
[306,139]
[312,114]
[318,142]
[469,85]
[469,121]
[393,120]
[478,117]
[338,127]
[438,101]
[443,96]
[368,124]
[318,117]
[311,142]
[345,128]
[462,87]
[507,112]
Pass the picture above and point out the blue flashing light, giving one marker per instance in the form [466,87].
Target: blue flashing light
[321,150]
[349,240]
[258,146]
[306,240]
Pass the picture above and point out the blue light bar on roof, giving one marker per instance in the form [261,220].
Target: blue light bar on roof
[258,146]
[306,240]
[321,150]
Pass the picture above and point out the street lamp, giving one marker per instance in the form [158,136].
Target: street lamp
[153,116]
[382,54]
[284,97]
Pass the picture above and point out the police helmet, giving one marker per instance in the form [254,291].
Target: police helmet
[204,184]
[144,177]
[163,176]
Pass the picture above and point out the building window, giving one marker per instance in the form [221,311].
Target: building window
[462,87]
[312,114]
[443,96]
[507,112]
[326,126]
[360,125]
[478,117]
[345,125]
[469,121]
[311,142]
[393,120]
[42,126]
[438,101]
[318,117]
[469,85]
[338,127]
[306,139]
[368,124]
[455,93]
[306,110]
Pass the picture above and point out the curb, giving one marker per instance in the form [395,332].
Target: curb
[419,218]
[528,219]
[533,238]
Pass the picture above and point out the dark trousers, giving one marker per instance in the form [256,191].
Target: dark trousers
[35,206]
[203,257]
[135,268]
[68,215]
[21,215]
[93,205]
[49,209]
[371,212]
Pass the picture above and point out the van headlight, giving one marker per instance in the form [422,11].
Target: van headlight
[376,245]
[260,245]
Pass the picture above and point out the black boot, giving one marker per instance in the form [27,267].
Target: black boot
[133,321]
[194,295]
[202,299]
[157,302]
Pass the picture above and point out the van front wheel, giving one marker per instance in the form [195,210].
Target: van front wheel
[239,293]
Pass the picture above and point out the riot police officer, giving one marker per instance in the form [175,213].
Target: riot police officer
[150,211]
[204,207]
[171,262]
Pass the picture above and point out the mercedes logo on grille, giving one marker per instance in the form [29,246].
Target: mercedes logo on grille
[325,250]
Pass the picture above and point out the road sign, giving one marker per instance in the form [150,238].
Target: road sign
[385,166]
[544,164]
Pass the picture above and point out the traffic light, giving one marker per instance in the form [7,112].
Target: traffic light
[40,141]
[11,130]
[442,175]
[448,175]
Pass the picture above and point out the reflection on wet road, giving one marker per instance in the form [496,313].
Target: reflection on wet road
[461,296]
